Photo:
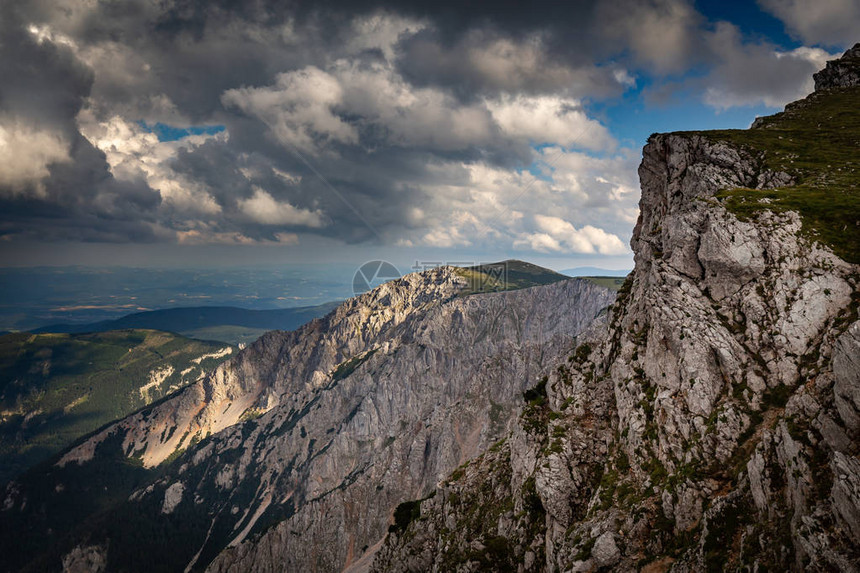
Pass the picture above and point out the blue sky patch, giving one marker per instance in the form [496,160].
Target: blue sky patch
[166,132]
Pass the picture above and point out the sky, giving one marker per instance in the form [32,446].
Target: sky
[226,132]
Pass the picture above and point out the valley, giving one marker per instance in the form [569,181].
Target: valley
[56,388]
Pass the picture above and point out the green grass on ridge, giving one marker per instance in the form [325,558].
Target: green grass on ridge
[817,141]
[506,275]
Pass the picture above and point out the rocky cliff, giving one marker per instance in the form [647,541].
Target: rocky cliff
[294,454]
[714,422]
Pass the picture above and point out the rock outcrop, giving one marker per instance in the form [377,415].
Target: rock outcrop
[713,424]
[841,73]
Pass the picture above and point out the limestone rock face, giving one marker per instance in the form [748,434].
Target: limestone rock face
[269,370]
[711,424]
[443,387]
[89,559]
[294,454]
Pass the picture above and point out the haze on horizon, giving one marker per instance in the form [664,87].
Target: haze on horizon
[187,133]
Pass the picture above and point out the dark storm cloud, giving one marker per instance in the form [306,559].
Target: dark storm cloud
[452,16]
[44,89]
[486,61]
[43,83]
[373,204]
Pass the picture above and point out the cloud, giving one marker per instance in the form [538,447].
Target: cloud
[388,108]
[312,109]
[482,206]
[424,123]
[557,235]
[298,108]
[25,156]
[381,31]
[135,154]
[750,74]
[70,192]
[825,22]
[388,152]
[661,35]
[485,61]
[549,119]
[197,237]
[264,209]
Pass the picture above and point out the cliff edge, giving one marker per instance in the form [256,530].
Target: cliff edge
[714,423]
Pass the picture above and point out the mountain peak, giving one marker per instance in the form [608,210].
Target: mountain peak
[840,73]
[511,274]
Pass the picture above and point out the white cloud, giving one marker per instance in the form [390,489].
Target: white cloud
[288,178]
[204,235]
[624,77]
[485,61]
[549,119]
[133,154]
[307,109]
[43,33]
[556,234]
[124,80]
[513,65]
[750,74]
[298,108]
[26,153]
[410,116]
[825,22]
[265,209]
[452,138]
[287,238]
[479,205]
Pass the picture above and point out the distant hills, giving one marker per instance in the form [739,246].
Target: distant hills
[222,323]
[235,325]
[55,388]
[593,272]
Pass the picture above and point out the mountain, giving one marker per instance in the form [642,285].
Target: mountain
[223,323]
[593,272]
[295,452]
[714,423]
[55,388]
[506,275]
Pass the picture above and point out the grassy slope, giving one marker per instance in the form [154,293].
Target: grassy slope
[55,388]
[817,141]
[507,275]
